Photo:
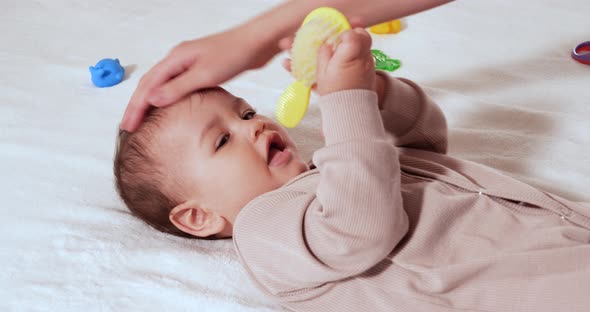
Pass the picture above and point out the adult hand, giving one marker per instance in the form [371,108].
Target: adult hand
[196,64]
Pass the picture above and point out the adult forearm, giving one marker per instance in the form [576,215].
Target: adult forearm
[284,19]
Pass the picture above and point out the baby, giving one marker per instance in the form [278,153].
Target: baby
[387,221]
[192,166]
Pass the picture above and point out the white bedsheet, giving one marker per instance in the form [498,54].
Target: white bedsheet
[500,70]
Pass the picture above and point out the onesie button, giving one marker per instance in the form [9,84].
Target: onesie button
[565,213]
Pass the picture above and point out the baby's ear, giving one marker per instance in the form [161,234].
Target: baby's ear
[191,218]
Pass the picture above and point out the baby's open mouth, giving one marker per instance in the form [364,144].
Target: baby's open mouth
[276,150]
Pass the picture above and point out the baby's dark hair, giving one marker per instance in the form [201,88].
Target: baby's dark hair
[139,175]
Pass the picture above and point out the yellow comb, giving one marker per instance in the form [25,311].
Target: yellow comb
[322,25]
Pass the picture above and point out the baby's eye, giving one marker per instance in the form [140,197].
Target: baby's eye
[221,141]
[249,114]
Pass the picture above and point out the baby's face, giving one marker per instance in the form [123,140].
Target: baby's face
[223,153]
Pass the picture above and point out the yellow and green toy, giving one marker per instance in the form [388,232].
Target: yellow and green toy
[322,25]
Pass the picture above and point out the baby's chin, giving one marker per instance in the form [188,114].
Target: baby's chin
[296,167]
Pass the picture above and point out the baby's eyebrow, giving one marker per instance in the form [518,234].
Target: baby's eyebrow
[239,102]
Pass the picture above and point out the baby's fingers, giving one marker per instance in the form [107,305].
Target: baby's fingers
[354,44]
[366,40]
[324,55]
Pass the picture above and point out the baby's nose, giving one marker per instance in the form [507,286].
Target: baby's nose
[257,127]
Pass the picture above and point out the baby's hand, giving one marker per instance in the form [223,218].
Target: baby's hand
[349,66]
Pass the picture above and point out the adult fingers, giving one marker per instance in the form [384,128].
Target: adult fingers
[286,64]
[181,85]
[138,104]
[286,43]
[132,117]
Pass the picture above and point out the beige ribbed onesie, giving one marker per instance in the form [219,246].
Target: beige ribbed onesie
[389,222]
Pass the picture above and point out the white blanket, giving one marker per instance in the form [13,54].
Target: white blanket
[501,71]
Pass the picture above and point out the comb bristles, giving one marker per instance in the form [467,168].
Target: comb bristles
[308,40]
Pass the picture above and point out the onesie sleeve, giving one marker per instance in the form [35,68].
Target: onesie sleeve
[411,117]
[358,216]
[349,222]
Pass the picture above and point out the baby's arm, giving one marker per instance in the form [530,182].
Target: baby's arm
[297,240]
[410,116]
[357,217]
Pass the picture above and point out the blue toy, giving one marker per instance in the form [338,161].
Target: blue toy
[107,73]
